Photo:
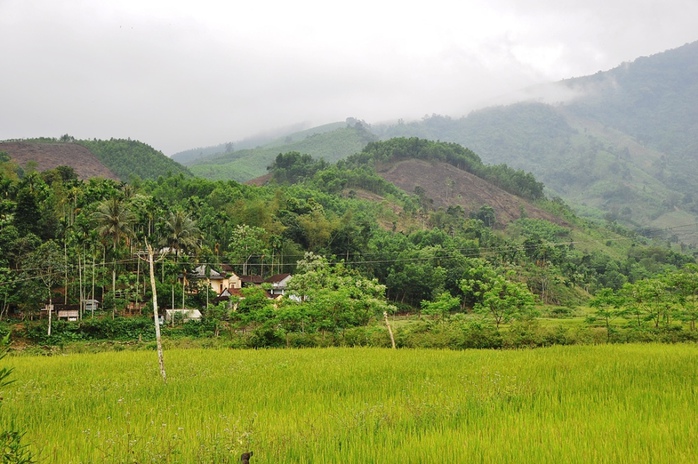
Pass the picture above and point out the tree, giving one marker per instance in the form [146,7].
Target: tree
[647,299]
[607,304]
[47,265]
[497,296]
[442,307]
[245,243]
[333,296]
[181,233]
[8,290]
[685,284]
[486,214]
[114,220]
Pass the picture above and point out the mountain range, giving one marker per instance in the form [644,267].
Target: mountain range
[619,145]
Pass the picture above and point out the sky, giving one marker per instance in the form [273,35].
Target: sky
[179,74]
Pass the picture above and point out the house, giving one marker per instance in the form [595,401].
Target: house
[278,283]
[186,314]
[227,294]
[251,280]
[218,281]
[69,314]
[90,305]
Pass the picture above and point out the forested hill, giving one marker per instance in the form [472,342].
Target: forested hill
[443,176]
[280,138]
[331,143]
[655,100]
[621,147]
[129,158]
[112,159]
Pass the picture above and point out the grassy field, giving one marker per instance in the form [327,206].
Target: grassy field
[579,404]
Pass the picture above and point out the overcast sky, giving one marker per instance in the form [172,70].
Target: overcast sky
[185,74]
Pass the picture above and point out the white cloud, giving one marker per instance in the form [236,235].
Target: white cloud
[181,74]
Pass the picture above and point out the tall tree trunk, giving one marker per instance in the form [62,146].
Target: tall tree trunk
[92,296]
[65,257]
[50,310]
[156,318]
[138,276]
[82,294]
[113,290]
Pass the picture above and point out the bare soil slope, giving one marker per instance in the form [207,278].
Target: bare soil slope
[447,185]
[51,155]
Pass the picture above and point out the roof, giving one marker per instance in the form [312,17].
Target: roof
[228,292]
[252,279]
[277,278]
[200,272]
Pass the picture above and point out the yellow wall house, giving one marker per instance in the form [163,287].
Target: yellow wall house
[218,281]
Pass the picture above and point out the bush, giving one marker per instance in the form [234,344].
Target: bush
[267,336]
[90,330]
[523,333]
[480,335]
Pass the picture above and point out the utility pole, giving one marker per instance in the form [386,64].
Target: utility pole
[156,316]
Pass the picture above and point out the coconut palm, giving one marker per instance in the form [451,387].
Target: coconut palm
[114,220]
[181,233]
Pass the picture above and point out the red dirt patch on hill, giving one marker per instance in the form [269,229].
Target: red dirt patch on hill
[448,186]
[51,155]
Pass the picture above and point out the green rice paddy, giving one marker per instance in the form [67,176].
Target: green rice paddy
[576,404]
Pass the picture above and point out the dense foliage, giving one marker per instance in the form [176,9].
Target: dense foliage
[618,145]
[64,240]
[130,158]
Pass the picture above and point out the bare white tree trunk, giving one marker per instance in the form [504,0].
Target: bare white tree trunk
[92,294]
[390,330]
[65,257]
[113,290]
[138,277]
[156,318]
[50,310]
[82,295]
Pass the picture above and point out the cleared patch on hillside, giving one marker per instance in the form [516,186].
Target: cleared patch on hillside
[51,155]
[445,185]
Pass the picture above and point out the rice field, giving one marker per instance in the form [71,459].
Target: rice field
[577,404]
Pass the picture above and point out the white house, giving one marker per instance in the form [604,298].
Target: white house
[278,283]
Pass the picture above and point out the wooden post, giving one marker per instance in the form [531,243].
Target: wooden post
[156,318]
[390,331]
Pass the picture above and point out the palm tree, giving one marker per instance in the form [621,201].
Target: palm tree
[181,232]
[114,220]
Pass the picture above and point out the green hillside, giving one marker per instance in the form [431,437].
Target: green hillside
[623,149]
[655,100]
[600,171]
[129,158]
[332,145]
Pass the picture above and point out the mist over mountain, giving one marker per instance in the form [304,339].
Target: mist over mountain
[620,145]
